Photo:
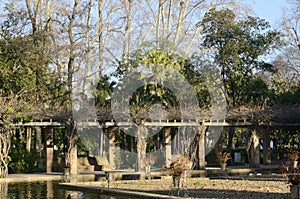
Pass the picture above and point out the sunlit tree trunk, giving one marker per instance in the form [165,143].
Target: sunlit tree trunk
[5,141]
[100,37]
[88,48]
[141,140]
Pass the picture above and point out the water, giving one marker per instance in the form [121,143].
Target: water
[47,190]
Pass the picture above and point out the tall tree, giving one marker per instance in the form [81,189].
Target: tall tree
[238,46]
[17,79]
[154,88]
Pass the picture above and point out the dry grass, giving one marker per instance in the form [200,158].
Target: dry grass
[205,188]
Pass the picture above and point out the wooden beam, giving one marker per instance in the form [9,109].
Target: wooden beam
[112,123]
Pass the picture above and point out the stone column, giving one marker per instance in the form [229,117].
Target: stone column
[167,143]
[201,131]
[49,187]
[28,139]
[38,139]
[49,149]
[73,164]
[4,189]
[254,149]
[100,142]
[266,147]
[111,147]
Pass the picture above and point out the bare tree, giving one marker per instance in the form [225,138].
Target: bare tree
[78,40]
[287,61]
[290,22]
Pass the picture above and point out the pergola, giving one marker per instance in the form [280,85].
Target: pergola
[47,127]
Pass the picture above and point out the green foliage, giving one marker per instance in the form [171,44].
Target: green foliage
[238,46]
[152,90]
[195,78]
[21,161]
[25,61]
[17,73]
[103,90]
[290,97]
[256,92]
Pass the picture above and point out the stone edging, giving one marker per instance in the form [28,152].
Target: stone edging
[116,191]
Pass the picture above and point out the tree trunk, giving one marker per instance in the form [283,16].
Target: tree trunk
[182,11]
[100,37]
[71,156]
[127,39]
[5,141]
[141,148]
[88,49]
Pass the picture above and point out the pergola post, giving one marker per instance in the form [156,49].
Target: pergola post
[38,139]
[168,148]
[201,152]
[49,186]
[73,164]
[266,148]
[111,146]
[253,148]
[49,148]
[28,139]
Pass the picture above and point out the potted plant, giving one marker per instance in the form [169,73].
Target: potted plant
[293,155]
[292,175]
[222,159]
[179,164]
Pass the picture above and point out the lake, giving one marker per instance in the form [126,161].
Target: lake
[47,190]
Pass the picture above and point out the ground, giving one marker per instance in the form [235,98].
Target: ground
[206,188]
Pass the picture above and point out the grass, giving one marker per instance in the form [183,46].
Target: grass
[200,184]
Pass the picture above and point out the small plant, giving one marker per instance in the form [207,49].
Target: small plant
[150,160]
[222,158]
[179,164]
[291,173]
[293,155]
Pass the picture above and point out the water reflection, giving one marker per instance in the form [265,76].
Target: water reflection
[47,190]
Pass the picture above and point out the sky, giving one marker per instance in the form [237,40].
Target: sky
[271,10]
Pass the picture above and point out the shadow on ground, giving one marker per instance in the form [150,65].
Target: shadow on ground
[210,193]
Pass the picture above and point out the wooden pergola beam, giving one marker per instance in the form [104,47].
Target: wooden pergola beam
[106,124]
